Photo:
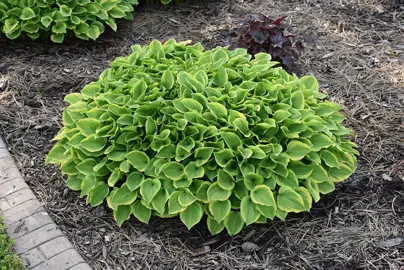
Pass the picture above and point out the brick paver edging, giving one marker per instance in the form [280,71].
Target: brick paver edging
[38,240]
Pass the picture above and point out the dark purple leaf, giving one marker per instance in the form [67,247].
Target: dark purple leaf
[278,21]
[277,39]
[258,33]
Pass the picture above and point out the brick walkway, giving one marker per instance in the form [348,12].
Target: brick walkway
[38,240]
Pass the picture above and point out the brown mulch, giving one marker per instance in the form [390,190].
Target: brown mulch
[358,57]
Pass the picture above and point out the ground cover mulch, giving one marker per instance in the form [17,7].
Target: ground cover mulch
[357,54]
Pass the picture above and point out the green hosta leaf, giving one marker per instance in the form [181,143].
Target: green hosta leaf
[193,171]
[108,4]
[174,206]
[312,187]
[186,198]
[281,115]
[241,124]
[214,227]
[320,141]
[124,166]
[57,155]
[301,170]
[202,192]
[159,201]
[192,215]
[297,150]
[123,196]
[326,108]
[114,177]
[122,214]
[310,83]
[340,174]
[281,214]
[10,26]
[88,126]
[329,158]
[94,32]
[234,223]
[267,211]
[167,79]
[149,189]
[326,187]
[74,182]
[30,28]
[93,144]
[202,155]
[151,126]
[257,152]
[232,140]
[289,200]
[248,211]
[251,180]
[220,209]
[65,11]
[223,157]
[134,180]
[221,77]
[225,180]
[87,185]
[138,159]
[297,100]
[217,109]
[306,197]
[27,14]
[240,190]
[173,170]
[262,195]
[141,212]
[216,193]
[313,156]
[319,174]
[98,193]
[86,166]
[290,180]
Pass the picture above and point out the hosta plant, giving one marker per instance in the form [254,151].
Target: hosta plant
[258,33]
[85,19]
[173,130]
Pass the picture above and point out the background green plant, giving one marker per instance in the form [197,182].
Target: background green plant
[8,259]
[85,19]
[175,130]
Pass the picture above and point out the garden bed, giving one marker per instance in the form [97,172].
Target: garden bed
[358,57]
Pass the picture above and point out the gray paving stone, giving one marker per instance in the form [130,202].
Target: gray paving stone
[7,162]
[37,237]
[81,266]
[33,257]
[9,186]
[22,211]
[28,224]
[4,205]
[4,153]
[10,173]
[2,144]
[19,197]
[55,246]
[62,261]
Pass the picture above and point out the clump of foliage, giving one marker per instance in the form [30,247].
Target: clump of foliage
[85,19]
[8,259]
[172,130]
[258,33]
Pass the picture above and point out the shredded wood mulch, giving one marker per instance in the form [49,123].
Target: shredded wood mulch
[357,54]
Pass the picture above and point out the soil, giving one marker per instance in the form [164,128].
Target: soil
[358,57]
